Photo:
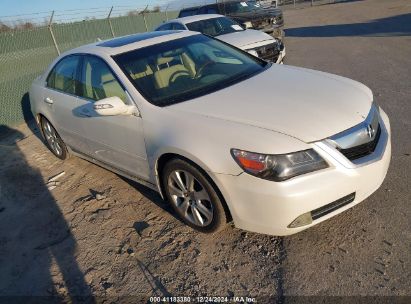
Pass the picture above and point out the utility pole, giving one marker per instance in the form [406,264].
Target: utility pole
[144,17]
[52,34]
[109,21]
[167,11]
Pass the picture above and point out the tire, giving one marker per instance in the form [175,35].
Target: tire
[193,197]
[53,140]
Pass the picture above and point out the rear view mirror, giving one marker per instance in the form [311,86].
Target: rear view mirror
[113,106]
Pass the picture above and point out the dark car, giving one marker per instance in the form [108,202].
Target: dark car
[247,13]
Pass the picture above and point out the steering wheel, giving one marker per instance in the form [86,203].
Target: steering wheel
[177,74]
[201,69]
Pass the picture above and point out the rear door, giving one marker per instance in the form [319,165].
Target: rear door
[118,141]
[60,96]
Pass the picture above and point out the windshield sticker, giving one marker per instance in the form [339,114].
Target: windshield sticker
[237,27]
[244,4]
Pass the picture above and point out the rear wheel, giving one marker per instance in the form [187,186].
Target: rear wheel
[193,197]
[53,139]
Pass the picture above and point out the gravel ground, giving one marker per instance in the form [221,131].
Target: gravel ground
[101,234]
[97,233]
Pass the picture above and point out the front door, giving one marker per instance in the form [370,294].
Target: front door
[117,141]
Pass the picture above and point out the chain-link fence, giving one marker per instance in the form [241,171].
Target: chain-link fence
[25,54]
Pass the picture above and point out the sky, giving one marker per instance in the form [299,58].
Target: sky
[20,7]
[17,7]
[38,11]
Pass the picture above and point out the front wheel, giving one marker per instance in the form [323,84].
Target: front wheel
[193,197]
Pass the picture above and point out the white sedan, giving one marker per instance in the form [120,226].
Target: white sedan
[219,133]
[225,29]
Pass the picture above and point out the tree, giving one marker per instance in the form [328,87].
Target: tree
[156,9]
[4,27]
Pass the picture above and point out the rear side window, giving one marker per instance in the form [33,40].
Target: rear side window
[212,10]
[208,10]
[164,27]
[188,12]
[63,77]
[98,81]
[178,26]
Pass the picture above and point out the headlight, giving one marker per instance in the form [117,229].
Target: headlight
[253,52]
[248,24]
[279,167]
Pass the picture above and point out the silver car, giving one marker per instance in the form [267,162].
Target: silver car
[257,43]
[217,132]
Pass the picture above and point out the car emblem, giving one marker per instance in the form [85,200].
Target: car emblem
[370,131]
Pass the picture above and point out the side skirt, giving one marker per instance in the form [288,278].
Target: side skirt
[115,170]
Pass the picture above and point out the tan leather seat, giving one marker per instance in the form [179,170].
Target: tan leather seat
[167,73]
[189,64]
[139,69]
[111,86]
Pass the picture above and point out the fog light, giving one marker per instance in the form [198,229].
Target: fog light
[302,220]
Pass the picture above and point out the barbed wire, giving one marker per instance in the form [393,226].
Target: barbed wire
[81,13]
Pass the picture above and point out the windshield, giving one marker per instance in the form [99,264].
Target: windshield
[215,27]
[240,7]
[186,68]
[255,3]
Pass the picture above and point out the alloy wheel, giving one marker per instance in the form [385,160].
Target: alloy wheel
[52,138]
[190,197]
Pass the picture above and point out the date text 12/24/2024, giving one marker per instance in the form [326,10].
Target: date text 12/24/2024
[202,299]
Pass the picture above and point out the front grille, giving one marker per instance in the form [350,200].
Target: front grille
[261,24]
[362,150]
[269,52]
[324,210]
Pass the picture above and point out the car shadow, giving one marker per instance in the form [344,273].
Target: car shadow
[28,116]
[399,25]
[34,235]
[153,196]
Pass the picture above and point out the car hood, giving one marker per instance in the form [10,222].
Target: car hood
[243,38]
[306,104]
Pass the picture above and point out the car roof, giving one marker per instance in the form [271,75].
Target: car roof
[128,43]
[195,18]
[194,6]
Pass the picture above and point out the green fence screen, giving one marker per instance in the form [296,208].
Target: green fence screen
[25,54]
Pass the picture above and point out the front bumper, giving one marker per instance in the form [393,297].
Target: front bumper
[272,52]
[268,207]
[281,56]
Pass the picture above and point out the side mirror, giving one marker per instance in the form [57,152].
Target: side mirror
[113,106]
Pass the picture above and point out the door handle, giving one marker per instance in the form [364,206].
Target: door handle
[48,100]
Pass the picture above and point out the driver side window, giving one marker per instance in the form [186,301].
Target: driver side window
[98,81]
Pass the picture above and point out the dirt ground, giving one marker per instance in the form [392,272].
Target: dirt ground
[91,232]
